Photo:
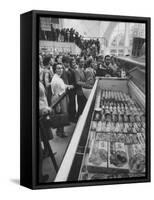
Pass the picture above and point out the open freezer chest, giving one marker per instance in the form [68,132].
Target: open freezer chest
[116,143]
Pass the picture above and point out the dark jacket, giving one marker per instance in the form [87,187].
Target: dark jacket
[71,77]
[81,81]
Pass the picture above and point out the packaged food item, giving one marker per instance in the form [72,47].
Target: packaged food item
[131,139]
[92,135]
[113,137]
[103,126]
[125,128]
[130,128]
[131,118]
[98,156]
[143,118]
[135,138]
[136,158]
[120,117]
[108,127]
[121,137]
[112,126]
[118,156]
[93,125]
[117,127]
[143,135]
[143,125]
[99,126]
[125,118]
[103,149]
[103,117]
[97,114]
[115,116]
[135,129]
[103,137]
[137,118]
[141,138]
[91,139]
[108,116]
[127,139]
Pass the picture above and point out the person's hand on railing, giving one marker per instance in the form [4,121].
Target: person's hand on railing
[46,111]
[69,87]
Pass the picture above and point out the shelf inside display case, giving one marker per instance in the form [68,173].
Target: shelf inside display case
[109,139]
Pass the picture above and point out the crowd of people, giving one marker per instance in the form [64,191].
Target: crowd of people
[88,46]
[70,74]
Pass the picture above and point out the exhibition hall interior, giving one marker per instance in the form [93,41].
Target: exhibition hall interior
[91,100]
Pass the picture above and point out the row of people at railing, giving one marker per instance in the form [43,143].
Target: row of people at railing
[60,35]
[69,35]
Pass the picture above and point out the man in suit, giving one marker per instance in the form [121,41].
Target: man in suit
[69,74]
[108,66]
[81,83]
[89,72]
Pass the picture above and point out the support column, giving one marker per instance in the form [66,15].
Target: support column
[126,39]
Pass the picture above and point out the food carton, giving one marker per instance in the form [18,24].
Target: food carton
[97,159]
[93,125]
[136,154]
[118,156]
[101,136]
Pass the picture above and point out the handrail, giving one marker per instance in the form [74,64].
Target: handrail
[59,99]
[55,104]
[132,61]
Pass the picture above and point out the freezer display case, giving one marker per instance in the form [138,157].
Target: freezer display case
[109,139]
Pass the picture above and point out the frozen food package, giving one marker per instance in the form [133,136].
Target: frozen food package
[101,136]
[99,126]
[118,156]
[92,135]
[97,159]
[120,137]
[141,138]
[136,158]
[93,125]
[97,116]
[113,137]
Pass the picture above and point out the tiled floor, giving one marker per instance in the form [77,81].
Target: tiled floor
[58,145]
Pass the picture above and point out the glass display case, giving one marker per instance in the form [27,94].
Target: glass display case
[109,139]
[116,142]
